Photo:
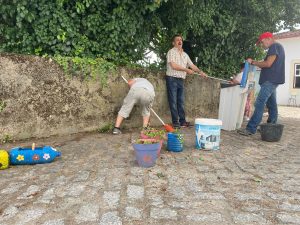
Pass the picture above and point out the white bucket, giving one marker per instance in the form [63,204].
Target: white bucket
[208,133]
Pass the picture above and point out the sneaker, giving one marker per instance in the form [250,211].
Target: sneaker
[117,131]
[244,132]
[186,124]
[146,128]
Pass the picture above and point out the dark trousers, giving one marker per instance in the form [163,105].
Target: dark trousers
[175,90]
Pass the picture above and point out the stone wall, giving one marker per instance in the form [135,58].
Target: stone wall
[39,100]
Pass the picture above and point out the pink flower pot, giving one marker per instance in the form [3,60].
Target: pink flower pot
[161,141]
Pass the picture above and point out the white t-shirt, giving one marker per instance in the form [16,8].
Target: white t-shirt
[239,77]
[142,83]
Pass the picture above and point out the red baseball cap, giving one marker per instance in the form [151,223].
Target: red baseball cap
[263,36]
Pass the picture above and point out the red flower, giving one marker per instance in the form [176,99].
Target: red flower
[147,158]
[36,157]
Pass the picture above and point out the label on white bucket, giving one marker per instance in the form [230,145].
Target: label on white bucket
[208,133]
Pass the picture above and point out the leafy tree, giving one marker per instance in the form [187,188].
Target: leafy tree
[113,29]
[221,33]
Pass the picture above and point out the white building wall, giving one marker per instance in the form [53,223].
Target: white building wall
[292,53]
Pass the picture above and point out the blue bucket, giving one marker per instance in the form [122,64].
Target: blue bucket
[146,154]
[174,144]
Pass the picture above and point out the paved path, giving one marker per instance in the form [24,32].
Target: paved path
[97,181]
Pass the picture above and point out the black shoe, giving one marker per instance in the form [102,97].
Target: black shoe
[244,132]
[146,128]
[116,131]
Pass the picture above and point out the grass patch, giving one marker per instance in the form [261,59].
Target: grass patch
[7,139]
[106,128]
[2,105]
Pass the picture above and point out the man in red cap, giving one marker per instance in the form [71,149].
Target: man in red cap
[272,74]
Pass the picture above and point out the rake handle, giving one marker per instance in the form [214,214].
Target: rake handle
[124,79]
[157,116]
[214,78]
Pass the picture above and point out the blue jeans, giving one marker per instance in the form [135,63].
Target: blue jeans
[175,90]
[266,96]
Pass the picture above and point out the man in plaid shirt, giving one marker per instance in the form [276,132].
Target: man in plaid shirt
[178,65]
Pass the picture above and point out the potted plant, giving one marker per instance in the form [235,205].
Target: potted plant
[152,133]
[175,141]
[146,151]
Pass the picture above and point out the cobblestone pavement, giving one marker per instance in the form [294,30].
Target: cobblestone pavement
[97,181]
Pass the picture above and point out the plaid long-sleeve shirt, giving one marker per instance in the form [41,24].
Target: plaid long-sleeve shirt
[181,59]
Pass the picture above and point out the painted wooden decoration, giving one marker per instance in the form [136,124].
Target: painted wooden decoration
[34,155]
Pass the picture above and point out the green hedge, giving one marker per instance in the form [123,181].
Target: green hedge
[221,33]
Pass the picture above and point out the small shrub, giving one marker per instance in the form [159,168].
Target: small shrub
[7,139]
[106,128]
[153,133]
[180,136]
